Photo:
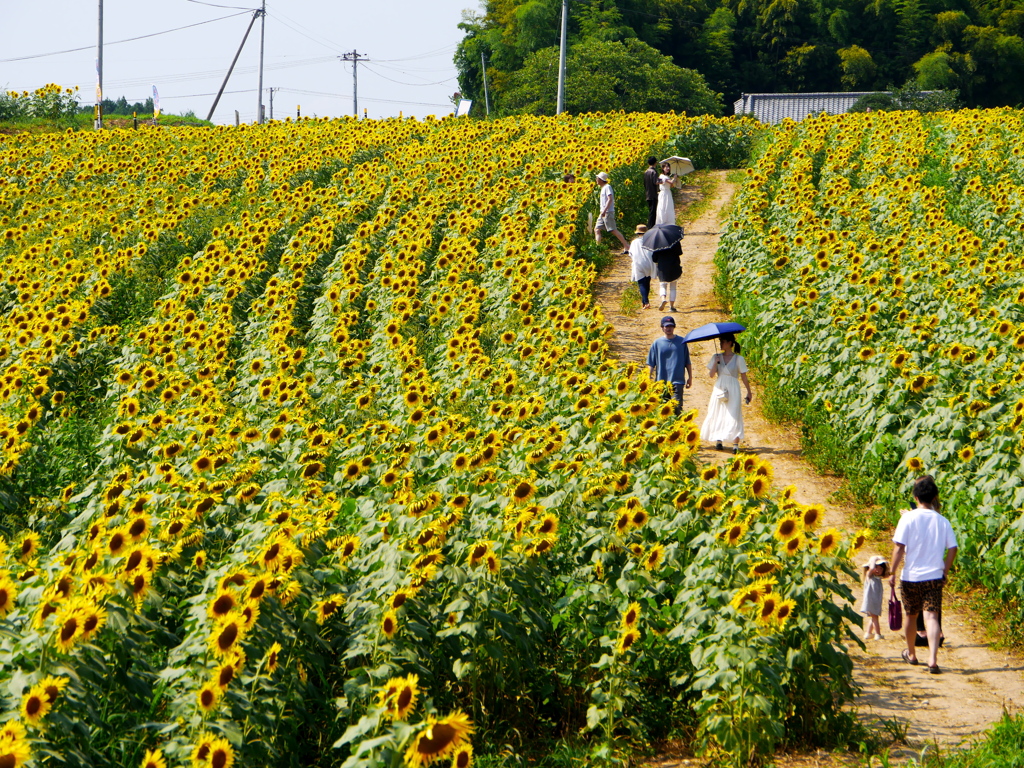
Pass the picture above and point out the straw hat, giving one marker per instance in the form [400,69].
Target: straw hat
[640,229]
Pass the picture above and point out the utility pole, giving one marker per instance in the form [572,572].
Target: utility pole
[561,59]
[487,94]
[98,121]
[259,89]
[355,58]
[216,101]
[272,101]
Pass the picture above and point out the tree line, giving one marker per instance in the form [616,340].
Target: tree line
[700,55]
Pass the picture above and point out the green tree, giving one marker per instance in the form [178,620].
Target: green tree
[999,66]
[857,67]
[944,70]
[604,76]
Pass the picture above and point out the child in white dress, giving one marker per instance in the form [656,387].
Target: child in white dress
[875,569]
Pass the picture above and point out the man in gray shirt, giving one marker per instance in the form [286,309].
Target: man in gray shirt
[669,360]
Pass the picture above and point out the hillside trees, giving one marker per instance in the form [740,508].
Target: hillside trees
[755,46]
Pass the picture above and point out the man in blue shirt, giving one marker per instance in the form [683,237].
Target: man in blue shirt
[669,360]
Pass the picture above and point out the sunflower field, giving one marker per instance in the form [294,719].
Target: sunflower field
[878,261]
[314,454]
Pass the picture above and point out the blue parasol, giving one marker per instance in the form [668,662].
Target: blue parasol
[712,331]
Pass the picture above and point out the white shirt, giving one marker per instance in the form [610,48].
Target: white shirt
[927,535]
[643,265]
[607,198]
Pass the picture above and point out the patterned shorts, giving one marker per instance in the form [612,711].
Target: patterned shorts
[922,595]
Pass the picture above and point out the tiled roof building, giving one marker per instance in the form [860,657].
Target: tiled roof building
[773,108]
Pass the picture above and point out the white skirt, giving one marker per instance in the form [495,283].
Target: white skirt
[724,422]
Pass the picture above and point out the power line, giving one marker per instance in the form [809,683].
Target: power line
[365,98]
[399,82]
[214,5]
[115,42]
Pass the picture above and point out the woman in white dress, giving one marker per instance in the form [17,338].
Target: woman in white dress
[666,205]
[724,422]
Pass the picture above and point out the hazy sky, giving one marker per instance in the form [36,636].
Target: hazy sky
[409,45]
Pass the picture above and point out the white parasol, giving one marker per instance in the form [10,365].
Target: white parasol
[680,165]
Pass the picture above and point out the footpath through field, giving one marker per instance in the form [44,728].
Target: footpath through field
[977,683]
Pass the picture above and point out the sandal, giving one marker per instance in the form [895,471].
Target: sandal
[934,670]
[906,658]
[718,445]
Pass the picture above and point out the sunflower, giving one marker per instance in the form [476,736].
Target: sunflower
[758,487]
[766,608]
[35,705]
[654,557]
[401,702]
[733,534]
[28,546]
[8,595]
[680,499]
[630,616]
[522,492]
[389,624]
[69,628]
[763,567]
[208,697]
[439,738]
[627,640]
[327,607]
[221,754]
[787,528]
[812,516]
[915,464]
[710,502]
[793,545]
[859,540]
[463,756]
[273,658]
[14,748]
[226,635]
[829,542]
[53,687]
[966,453]
[783,612]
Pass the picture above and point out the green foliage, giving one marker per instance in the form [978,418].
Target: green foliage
[896,356]
[1002,747]
[746,47]
[718,143]
[51,102]
[908,97]
[603,76]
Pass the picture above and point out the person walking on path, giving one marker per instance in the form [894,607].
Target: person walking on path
[669,360]
[606,212]
[724,422]
[642,266]
[925,540]
[666,204]
[651,190]
[874,570]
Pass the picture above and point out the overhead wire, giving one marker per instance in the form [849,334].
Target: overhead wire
[215,5]
[361,98]
[399,82]
[116,42]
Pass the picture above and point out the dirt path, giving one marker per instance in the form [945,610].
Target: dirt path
[977,683]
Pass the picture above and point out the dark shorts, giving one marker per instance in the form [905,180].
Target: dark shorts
[922,595]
